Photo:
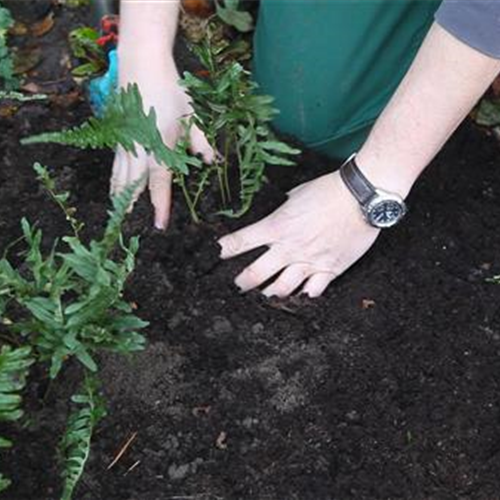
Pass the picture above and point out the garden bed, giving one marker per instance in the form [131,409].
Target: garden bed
[387,387]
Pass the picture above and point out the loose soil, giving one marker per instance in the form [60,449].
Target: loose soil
[388,387]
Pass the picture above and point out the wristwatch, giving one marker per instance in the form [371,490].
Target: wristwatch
[380,208]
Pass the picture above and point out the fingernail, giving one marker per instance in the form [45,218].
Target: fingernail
[221,248]
[159,225]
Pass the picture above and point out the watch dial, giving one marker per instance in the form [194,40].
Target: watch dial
[386,213]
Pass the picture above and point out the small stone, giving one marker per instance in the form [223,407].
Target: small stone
[249,422]
[222,326]
[176,320]
[352,416]
[172,443]
[177,472]
[258,328]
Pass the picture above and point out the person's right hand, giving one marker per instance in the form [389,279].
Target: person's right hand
[160,89]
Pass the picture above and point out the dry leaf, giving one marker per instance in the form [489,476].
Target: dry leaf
[198,8]
[19,29]
[27,59]
[44,26]
[66,100]
[8,111]
[32,88]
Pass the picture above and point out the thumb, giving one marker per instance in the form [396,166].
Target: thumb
[200,145]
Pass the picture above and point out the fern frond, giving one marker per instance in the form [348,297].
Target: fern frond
[121,205]
[125,124]
[14,366]
[19,97]
[75,445]
[7,77]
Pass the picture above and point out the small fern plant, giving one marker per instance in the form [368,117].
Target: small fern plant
[67,304]
[236,121]
[72,297]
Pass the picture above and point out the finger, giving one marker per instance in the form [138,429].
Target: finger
[138,167]
[160,189]
[317,284]
[119,174]
[288,281]
[200,145]
[260,271]
[245,239]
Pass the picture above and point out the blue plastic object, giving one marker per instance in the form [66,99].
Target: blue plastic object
[102,88]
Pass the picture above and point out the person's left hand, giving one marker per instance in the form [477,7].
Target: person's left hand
[312,238]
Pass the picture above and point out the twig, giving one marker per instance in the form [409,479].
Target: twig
[131,468]
[122,451]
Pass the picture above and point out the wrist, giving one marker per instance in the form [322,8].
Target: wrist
[385,173]
[146,57]
[132,69]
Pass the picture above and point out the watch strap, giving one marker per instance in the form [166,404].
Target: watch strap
[360,187]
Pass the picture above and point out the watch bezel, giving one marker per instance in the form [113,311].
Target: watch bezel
[383,197]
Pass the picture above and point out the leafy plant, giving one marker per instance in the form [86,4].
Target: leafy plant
[229,12]
[84,46]
[7,77]
[73,299]
[14,366]
[75,445]
[68,303]
[236,121]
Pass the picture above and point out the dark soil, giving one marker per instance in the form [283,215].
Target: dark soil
[237,397]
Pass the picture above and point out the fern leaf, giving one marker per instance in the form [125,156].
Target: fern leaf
[14,365]
[75,445]
[125,124]
[121,205]
[19,97]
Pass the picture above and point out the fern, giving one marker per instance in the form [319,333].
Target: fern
[75,446]
[126,124]
[14,365]
[236,121]
[70,303]
[20,97]
[7,78]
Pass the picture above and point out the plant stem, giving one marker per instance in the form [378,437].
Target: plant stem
[189,201]
[226,164]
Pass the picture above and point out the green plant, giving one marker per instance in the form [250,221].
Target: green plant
[19,97]
[75,445]
[230,13]
[73,299]
[68,303]
[84,46]
[7,77]
[228,109]
[126,124]
[14,366]
[236,121]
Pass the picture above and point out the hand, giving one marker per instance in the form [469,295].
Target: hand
[312,238]
[159,89]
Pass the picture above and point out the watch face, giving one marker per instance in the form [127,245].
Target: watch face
[386,213]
